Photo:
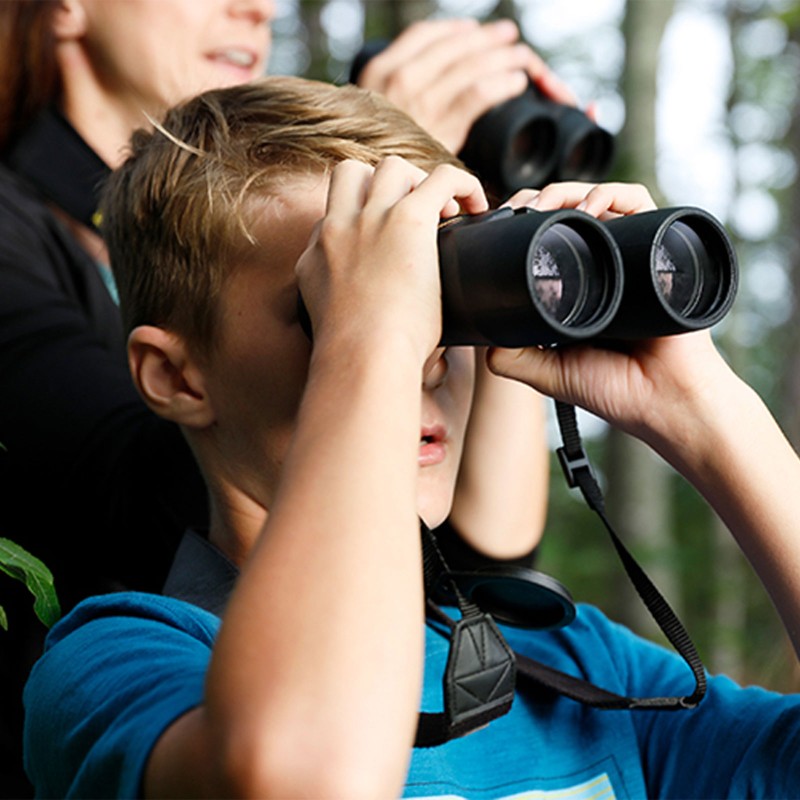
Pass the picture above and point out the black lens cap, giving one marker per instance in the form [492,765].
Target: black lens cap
[513,595]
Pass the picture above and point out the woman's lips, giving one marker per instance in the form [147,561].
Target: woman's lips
[432,447]
[239,58]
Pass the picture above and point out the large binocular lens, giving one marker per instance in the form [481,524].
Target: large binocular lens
[687,275]
[520,278]
[680,272]
[528,141]
[526,278]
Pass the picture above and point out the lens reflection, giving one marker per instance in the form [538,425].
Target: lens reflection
[688,277]
[568,284]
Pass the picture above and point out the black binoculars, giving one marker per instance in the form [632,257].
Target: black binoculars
[518,278]
[528,141]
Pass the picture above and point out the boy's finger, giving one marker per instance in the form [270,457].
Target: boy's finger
[537,368]
[617,199]
[448,183]
[568,194]
[349,186]
[446,190]
[393,179]
[522,198]
[604,201]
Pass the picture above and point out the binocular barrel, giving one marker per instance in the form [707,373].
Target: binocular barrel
[530,141]
[527,141]
[513,279]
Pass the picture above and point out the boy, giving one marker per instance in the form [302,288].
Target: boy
[319,461]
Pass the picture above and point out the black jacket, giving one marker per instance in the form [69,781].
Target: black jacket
[83,455]
[91,481]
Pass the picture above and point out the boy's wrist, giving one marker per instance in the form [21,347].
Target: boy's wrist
[379,341]
[700,433]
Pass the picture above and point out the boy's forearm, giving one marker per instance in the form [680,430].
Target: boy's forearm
[305,669]
[679,396]
[501,496]
[730,447]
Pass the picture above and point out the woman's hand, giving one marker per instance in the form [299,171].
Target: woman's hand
[447,73]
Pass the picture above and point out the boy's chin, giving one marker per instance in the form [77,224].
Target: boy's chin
[433,511]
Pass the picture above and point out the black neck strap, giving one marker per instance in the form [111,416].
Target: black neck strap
[578,472]
[54,159]
[479,677]
[532,676]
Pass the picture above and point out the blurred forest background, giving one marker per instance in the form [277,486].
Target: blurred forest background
[703,98]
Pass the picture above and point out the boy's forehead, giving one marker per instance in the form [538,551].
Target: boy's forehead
[288,197]
[280,224]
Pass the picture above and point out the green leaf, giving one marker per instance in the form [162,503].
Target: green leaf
[22,566]
[3,619]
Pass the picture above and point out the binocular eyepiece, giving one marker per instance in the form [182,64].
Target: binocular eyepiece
[528,141]
[518,278]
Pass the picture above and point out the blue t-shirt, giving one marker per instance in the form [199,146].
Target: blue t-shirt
[120,668]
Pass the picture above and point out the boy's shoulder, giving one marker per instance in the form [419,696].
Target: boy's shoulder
[191,604]
[129,610]
[119,668]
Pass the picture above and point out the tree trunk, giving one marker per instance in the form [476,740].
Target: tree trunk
[404,12]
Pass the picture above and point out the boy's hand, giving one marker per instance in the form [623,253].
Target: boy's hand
[604,200]
[371,268]
[447,73]
[644,389]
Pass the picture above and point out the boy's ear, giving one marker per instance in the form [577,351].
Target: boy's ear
[168,377]
[69,20]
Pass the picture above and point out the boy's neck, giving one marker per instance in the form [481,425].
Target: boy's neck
[236,523]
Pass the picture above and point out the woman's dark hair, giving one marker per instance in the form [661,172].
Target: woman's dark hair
[29,75]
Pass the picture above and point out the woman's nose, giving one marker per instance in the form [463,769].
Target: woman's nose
[435,370]
[257,10]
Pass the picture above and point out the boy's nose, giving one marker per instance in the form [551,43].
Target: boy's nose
[435,370]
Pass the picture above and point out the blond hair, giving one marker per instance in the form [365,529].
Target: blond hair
[175,215]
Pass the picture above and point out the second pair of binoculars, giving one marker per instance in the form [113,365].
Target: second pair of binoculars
[528,141]
[518,278]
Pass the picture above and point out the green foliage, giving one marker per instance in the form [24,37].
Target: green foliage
[22,566]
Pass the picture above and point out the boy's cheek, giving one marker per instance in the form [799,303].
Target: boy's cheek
[461,388]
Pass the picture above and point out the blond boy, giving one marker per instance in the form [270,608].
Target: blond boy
[320,460]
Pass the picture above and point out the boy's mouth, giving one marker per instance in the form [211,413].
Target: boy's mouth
[432,448]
